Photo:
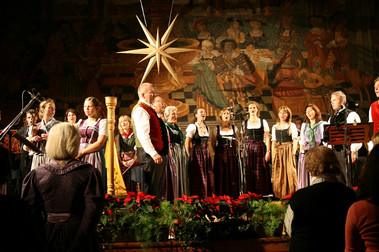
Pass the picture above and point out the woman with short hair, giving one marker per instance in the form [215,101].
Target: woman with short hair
[71,116]
[316,215]
[66,195]
[178,152]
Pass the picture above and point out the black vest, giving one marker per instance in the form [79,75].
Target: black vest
[164,151]
[339,118]
[283,136]
[221,138]
[197,139]
[255,134]
[127,144]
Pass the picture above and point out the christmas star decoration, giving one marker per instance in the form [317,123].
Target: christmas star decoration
[158,50]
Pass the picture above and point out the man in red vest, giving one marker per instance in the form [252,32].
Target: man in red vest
[373,113]
[151,147]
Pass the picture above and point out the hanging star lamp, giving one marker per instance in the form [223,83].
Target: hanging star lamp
[158,50]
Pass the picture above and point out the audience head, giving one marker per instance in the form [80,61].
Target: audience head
[92,107]
[368,184]
[71,116]
[321,161]
[6,165]
[312,112]
[63,141]
[252,107]
[124,124]
[146,92]
[285,114]
[47,109]
[171,114]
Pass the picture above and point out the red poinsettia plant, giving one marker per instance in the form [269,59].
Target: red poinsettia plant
[189,217]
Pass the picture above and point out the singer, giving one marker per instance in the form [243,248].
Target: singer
[257,134]
[46,114]
[338,101]
[225,162]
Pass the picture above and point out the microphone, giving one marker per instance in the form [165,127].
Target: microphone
[36,96]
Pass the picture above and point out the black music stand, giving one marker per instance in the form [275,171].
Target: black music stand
[345,135]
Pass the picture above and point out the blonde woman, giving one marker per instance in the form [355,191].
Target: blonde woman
[65,195]
[46,114]
[93,135]
[126,149]
[257,134]
[284,144]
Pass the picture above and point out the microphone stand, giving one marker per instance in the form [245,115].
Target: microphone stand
[347,153]
[13,122]
[241,166]
[243,160]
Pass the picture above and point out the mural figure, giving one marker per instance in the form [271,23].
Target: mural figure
[339,52]
[234,32]
[315,79]
[202,34]
[288,37]
[316,41]
[206,86]
[286,76]
[235,71]
[256,36]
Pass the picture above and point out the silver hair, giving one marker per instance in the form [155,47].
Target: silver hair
[341,95]
[168,111]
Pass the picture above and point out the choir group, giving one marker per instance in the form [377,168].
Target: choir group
[250,158]
[65,171]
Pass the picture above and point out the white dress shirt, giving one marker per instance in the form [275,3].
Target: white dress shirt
[141,119]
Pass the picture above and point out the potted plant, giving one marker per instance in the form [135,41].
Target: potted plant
[188,220]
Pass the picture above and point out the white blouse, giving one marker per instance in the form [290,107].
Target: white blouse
[191,130]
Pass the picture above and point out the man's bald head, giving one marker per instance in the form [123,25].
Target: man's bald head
[146,92]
